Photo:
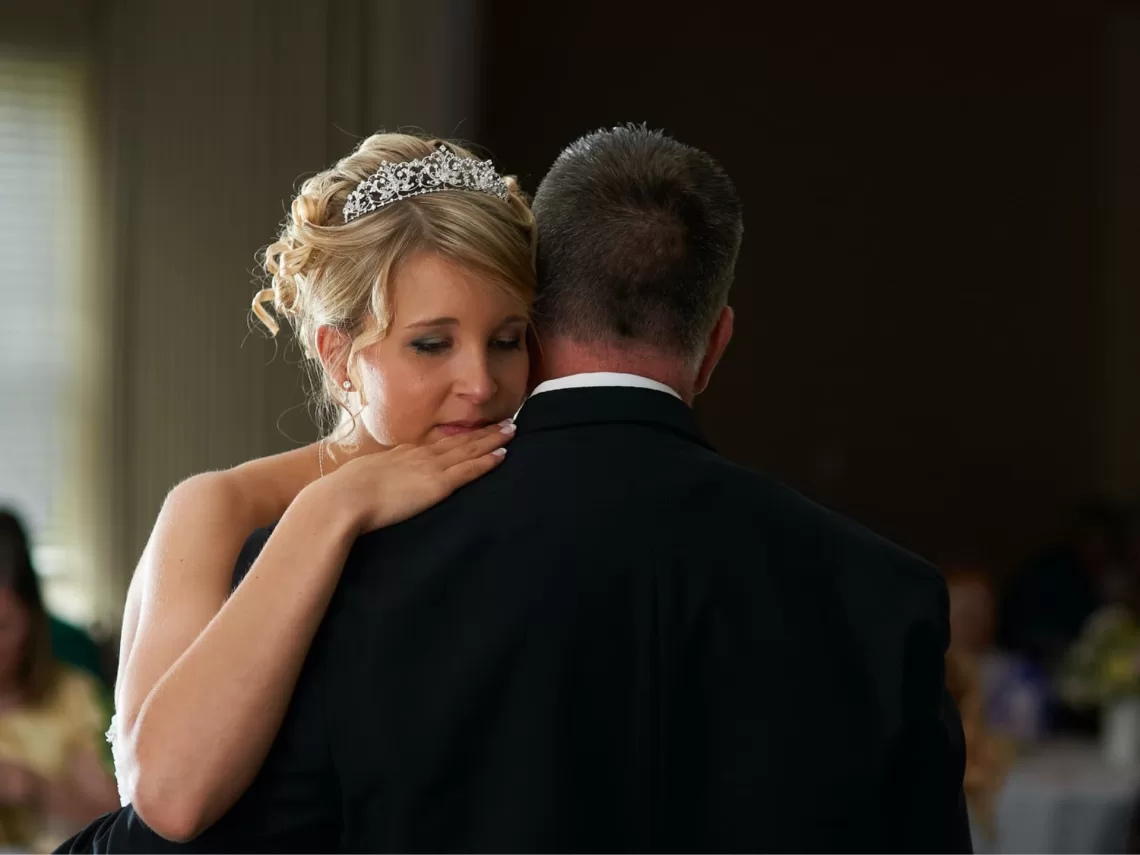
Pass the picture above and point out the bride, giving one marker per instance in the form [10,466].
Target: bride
[407,273]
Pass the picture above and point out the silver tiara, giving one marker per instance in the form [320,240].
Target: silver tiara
[440,170]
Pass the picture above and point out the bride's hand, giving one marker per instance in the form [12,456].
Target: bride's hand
[392,485]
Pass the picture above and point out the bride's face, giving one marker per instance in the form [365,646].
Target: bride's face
[454,359]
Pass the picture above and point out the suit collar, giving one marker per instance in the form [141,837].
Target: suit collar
[562,408]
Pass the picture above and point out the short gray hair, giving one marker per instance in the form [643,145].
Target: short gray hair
[638,236]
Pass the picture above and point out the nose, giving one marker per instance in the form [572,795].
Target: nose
[475,382]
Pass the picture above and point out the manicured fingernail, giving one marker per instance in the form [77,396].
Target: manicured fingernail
[508,428]
[499,452]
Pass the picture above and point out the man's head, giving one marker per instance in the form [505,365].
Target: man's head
[638,236]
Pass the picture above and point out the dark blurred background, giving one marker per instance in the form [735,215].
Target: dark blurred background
[938,310]
[938,319]
[934,331]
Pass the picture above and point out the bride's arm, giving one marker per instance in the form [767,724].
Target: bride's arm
[208,679]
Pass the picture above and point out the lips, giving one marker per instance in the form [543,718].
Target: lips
[453,428]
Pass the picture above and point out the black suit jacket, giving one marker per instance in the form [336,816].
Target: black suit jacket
[616,641]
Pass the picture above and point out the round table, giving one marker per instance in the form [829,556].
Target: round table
[1063,797]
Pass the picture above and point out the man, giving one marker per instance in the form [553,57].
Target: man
[618,640]
[1050,598]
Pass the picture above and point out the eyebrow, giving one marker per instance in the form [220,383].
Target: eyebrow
[444,322]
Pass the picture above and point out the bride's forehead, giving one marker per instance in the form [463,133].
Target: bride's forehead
[428,274]
[443,289]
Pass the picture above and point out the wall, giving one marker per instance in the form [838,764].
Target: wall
[1119,327]
[919,319]
[216,110]
[937,309]
[204,118]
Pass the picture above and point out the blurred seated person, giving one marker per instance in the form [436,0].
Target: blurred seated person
[69,643]
[52,777]
[972,609]
[987,756]
[1017,698]
[74,646]
[1048,601]
[969,664]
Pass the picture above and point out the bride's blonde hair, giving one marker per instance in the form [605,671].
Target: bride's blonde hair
[323,271]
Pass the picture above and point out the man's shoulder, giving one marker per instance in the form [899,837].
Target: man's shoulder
[688,492]
[764,507]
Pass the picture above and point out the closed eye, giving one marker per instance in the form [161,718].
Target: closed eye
[435,345]
[430,345]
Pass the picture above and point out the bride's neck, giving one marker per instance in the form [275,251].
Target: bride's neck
[347,443]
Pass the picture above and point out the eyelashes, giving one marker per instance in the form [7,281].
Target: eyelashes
[434,346]
[429,345]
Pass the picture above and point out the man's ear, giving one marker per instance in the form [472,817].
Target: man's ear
[719,338]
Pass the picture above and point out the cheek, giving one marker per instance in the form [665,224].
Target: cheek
[404,396]
[511,378]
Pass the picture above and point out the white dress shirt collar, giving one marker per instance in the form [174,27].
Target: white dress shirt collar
[603,378]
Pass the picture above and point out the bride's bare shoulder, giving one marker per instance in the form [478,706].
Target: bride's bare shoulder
[257,490]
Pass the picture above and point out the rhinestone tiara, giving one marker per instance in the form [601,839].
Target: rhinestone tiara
[440,170]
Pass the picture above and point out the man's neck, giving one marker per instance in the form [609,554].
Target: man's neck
[562,358]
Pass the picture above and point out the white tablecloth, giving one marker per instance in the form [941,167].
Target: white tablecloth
[1063,797]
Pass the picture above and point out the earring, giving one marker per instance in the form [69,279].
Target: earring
[347,384]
